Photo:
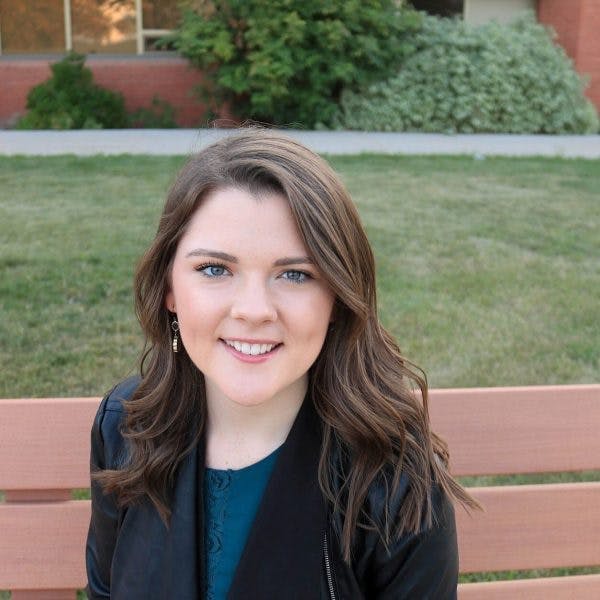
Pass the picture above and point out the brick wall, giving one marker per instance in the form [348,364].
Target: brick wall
[138,78]
[17,77]
[577,24]
[588,56]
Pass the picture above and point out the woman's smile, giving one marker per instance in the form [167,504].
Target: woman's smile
[251,352]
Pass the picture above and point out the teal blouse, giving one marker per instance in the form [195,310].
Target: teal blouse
[231,499]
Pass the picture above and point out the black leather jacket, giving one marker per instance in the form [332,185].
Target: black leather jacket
[292,551]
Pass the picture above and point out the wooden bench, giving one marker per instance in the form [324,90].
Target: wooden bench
[44,450]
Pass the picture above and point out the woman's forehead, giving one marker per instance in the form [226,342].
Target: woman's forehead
[235,218]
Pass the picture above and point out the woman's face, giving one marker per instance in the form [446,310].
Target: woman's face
[253,310]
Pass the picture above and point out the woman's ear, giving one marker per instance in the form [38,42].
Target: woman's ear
[170,302]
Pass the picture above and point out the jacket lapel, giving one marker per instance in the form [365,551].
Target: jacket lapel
[151,561]
[283,553]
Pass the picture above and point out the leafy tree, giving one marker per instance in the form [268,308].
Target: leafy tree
[287,61]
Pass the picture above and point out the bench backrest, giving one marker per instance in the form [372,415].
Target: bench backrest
[44,454]
[517,430]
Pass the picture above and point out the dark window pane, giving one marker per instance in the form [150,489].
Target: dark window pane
[160,14]
[442,8]
[152,43]
[103,26]
[32,26]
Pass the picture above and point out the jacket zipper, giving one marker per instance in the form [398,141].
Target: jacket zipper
[328,568]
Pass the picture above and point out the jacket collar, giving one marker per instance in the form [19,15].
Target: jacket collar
[283,551]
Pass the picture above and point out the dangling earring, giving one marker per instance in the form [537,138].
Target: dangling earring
[175,328]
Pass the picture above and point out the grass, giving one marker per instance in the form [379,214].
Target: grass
[531,574]
[488,270]
[71,232]
[529,478]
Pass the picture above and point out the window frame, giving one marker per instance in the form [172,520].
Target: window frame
[140,32]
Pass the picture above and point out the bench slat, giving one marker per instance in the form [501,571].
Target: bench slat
[530,527]
[46,443]
[524,527]
[42,545]
[515,430]
[557,588]
[519,429]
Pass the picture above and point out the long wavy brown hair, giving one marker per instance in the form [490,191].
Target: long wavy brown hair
[371,400]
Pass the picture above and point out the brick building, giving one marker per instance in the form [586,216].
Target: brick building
[119,37]
[577,24]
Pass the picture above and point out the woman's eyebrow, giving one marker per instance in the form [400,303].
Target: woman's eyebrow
[213,253]
[297,260]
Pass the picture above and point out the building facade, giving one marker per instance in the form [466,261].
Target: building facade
[120,39]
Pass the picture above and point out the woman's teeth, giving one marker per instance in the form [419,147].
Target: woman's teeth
[250,349]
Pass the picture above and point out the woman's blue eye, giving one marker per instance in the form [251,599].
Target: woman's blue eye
[296,276]
[212,270]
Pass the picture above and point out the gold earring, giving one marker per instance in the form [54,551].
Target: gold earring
[175,328]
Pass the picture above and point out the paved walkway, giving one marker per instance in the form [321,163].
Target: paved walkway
[185,141]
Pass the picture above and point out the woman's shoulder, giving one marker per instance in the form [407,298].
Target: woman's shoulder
[122,392]
[112,408]
[385,502]
[107,438]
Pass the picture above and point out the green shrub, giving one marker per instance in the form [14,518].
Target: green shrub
[160,115]
[491,78]
[287,61]
[70,100]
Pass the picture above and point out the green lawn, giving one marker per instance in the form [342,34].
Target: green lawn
[488,270]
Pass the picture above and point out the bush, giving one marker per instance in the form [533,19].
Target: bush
[70,100]
[160,115]
[285,61]
[491,78]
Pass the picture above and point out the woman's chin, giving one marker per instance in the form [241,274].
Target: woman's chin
[248,398]
[254,393]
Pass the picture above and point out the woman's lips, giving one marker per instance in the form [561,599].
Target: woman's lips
[251,358]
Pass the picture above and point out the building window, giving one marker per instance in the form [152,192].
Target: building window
[159,17]
[103,26]
[31,27]
[86,26]
[160,14]
[441,8]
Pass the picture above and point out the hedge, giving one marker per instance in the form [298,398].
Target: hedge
[462,78]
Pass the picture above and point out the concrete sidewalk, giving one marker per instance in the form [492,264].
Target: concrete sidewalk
[186,141]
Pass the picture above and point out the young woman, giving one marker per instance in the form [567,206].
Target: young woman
[273,446]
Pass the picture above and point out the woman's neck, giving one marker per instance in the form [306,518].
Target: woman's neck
[239,435]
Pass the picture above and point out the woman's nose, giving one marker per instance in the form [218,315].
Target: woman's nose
[253,302]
